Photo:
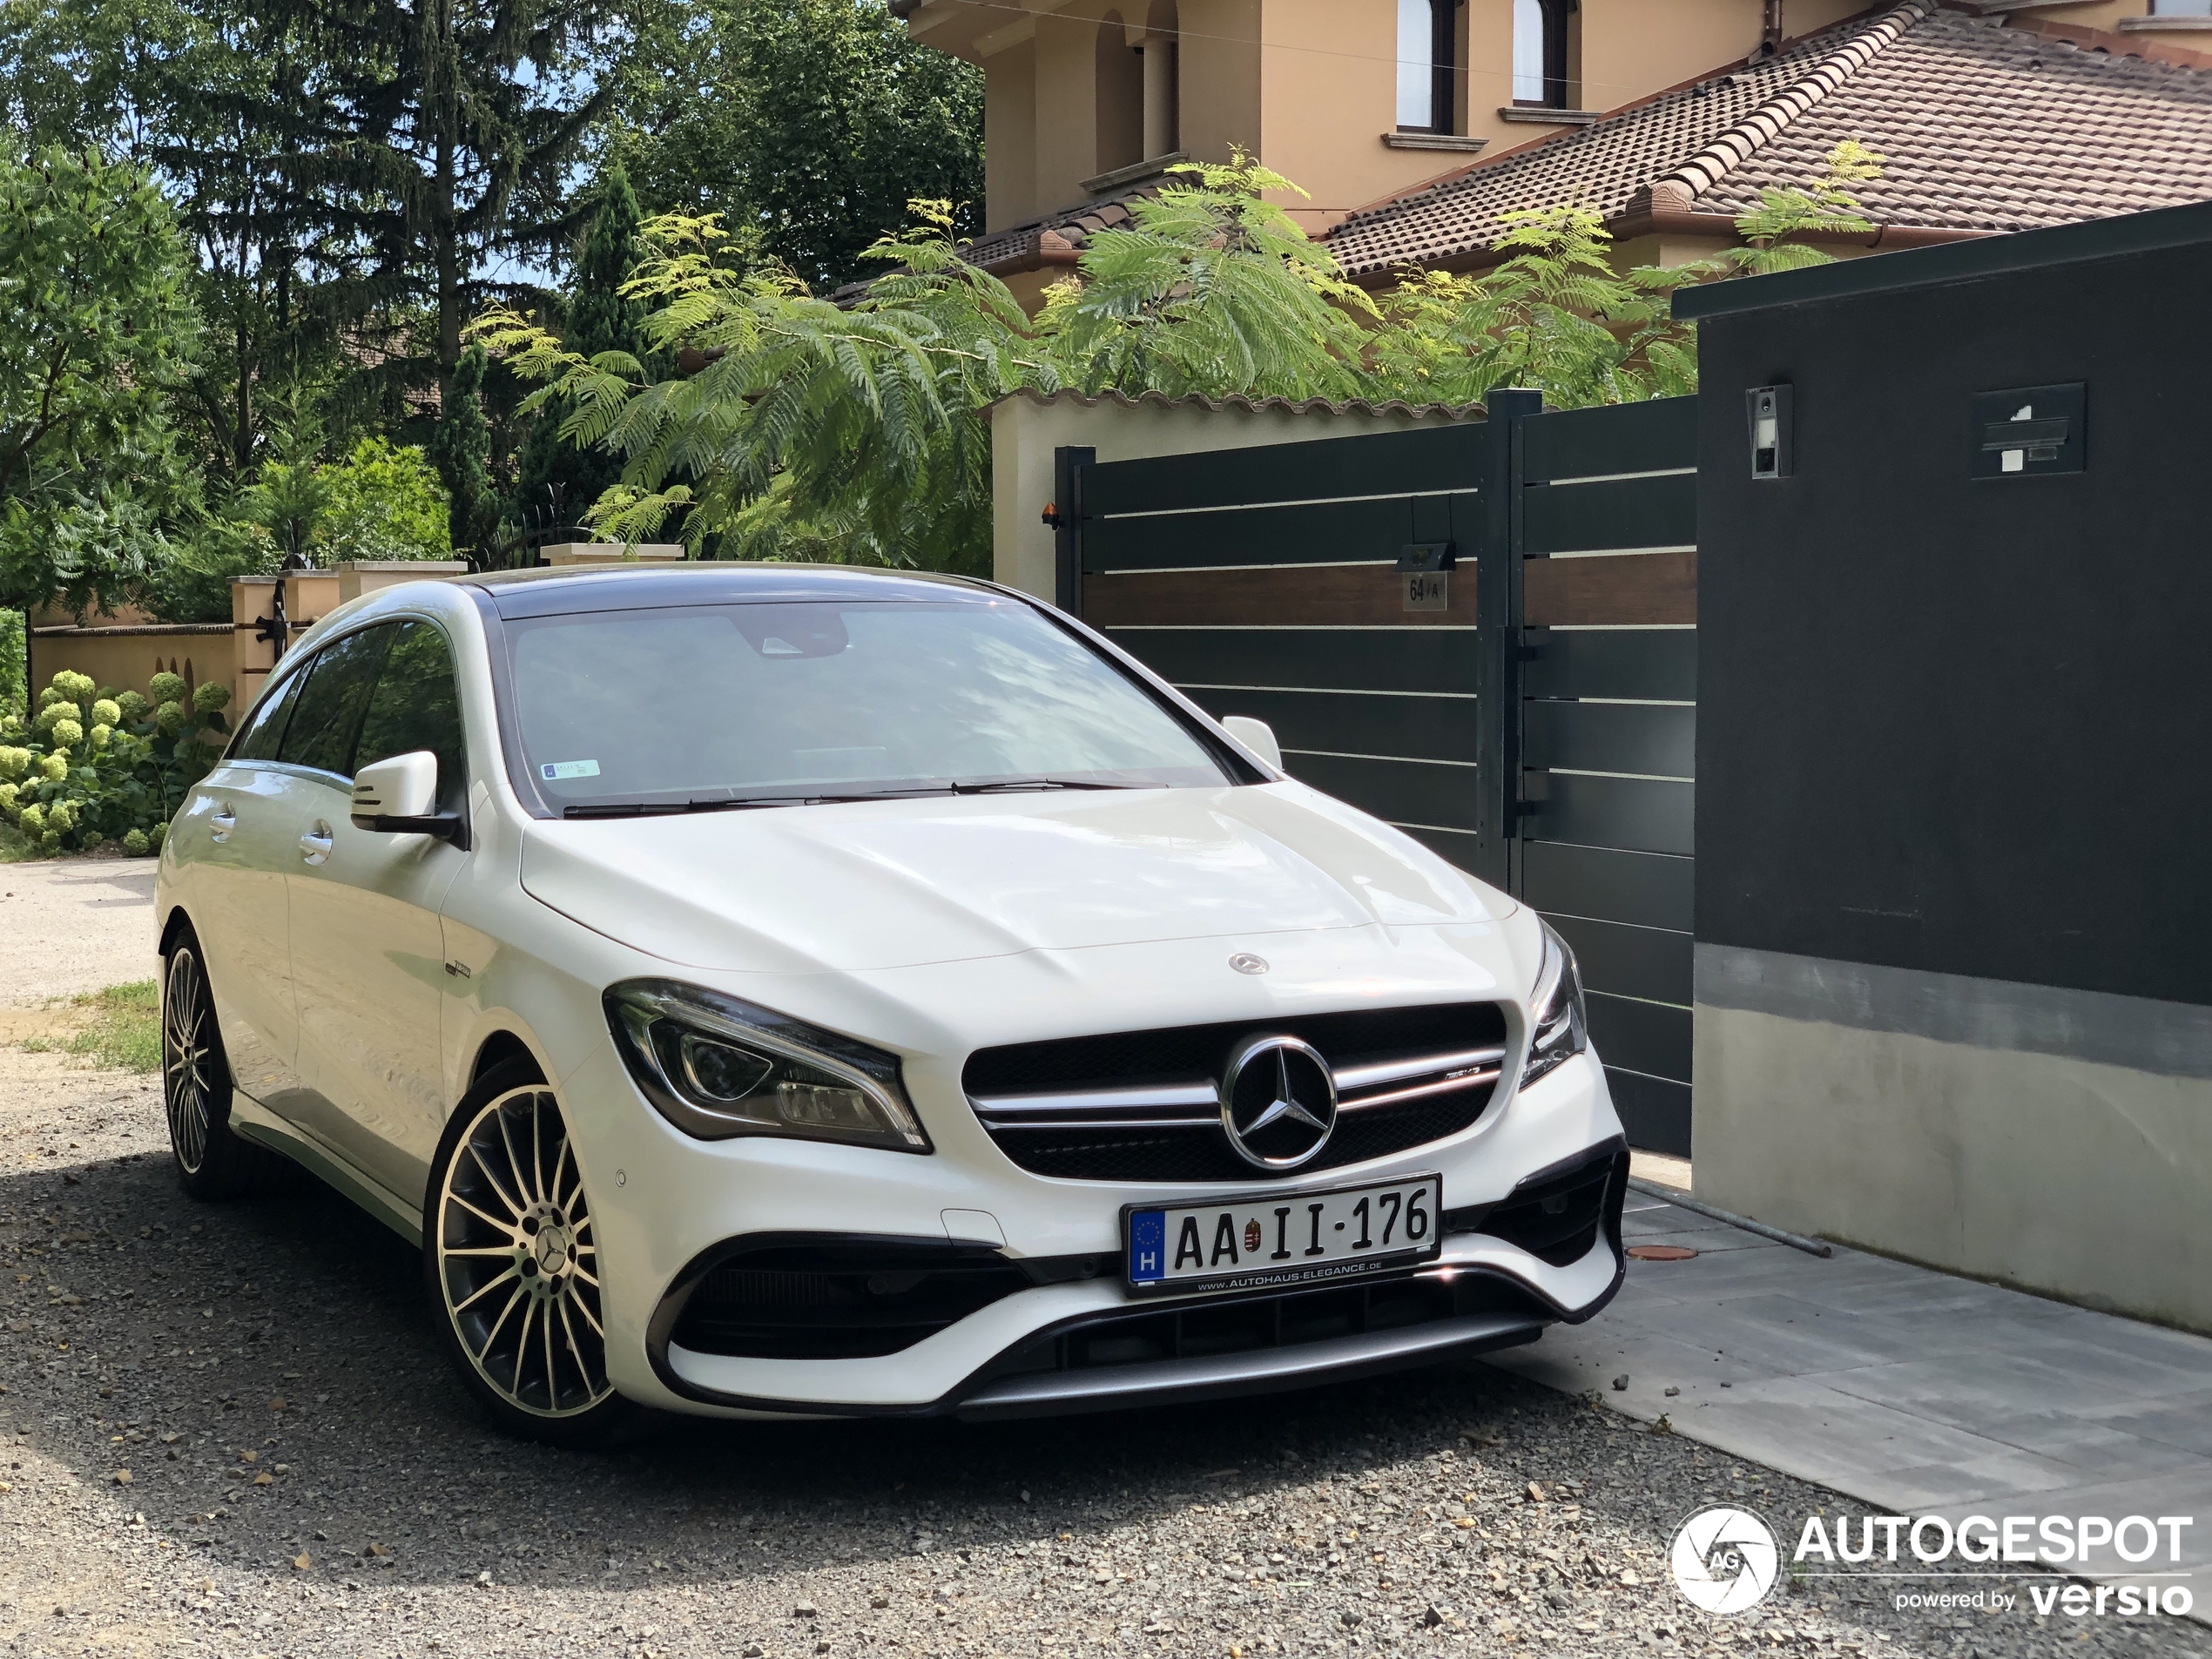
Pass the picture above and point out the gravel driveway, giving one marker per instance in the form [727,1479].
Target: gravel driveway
[74,924]
[303,1480]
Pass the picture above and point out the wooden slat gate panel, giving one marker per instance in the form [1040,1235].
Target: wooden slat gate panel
[1545,745]
[1264,582]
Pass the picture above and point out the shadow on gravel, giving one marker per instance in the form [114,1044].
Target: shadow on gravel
[172,1340]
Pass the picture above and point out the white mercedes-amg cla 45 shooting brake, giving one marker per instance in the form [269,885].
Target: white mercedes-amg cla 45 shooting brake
[812,991]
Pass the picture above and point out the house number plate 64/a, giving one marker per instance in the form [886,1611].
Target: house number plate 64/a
[1427,589]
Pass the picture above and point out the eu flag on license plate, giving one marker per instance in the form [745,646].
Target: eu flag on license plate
[1148,1246]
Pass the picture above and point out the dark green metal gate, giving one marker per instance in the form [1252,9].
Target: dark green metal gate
[1534,721]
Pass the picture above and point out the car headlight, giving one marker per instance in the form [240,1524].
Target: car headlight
[717,1068]
[1559,1024]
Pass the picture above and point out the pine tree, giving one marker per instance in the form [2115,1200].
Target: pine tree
[448,129]
[460,448]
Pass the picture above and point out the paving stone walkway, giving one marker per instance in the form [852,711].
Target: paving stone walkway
[1911,1390]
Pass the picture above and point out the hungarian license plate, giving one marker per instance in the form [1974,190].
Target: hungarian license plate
[1284,1238]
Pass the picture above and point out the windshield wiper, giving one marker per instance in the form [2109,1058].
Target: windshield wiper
[727,803]
[1002,786]
[741,803]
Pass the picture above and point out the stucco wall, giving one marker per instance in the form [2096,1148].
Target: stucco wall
[1025,431]
[1218,94]
[127,657]
[2059,1140]
[1010,134]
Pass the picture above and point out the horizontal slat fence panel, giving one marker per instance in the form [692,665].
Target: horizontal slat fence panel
[1411,728]
[1421,461]
[1657,663]
[1647,889]
[1633,814]
[1612,589]
[1400,791]
[1648,1037]
[1619,512]
[1457,847]
[1648,962]
[1647,740]
[1415,661]
[1324,533]
[1299,595]
[1654,1111]
[1596,442]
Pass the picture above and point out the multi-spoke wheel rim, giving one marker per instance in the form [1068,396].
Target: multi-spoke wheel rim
[517,1261]
[187,1057]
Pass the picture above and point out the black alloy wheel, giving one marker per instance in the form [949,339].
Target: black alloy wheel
[212,1161]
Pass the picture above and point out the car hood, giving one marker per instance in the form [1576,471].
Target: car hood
[896,884]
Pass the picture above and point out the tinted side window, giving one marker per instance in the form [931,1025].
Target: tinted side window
[417,705]
[265,727]
[328,714]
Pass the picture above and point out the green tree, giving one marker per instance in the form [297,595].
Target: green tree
[229,105]
[460,448]
[97,330]
[557,480]
[386,503]
[806,124]
[446,132]
[860,432]
[1211,289]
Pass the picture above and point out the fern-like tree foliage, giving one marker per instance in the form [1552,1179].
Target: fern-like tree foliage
[797,428]
[866,422]
[1212,289]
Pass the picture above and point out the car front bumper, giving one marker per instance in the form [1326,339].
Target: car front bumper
[669,1208]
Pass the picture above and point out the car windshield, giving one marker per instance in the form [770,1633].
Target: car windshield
[725,705]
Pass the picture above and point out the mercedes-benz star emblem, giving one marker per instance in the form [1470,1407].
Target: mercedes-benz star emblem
[1278,1102]
[1245,962]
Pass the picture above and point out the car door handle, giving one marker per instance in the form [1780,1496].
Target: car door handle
[222,823]
[314,846]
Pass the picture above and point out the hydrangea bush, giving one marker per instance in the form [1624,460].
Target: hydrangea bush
[91,766]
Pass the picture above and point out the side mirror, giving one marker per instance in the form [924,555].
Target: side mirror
[396,797]
[1257,736]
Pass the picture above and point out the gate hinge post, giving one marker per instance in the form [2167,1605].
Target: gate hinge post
[1498,643]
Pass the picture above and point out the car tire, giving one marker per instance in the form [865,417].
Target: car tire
[212,1161]
[528,1340]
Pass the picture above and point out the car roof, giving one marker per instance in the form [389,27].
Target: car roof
[561,591]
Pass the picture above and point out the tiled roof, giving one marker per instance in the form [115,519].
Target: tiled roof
[1981,127]
[1016,247]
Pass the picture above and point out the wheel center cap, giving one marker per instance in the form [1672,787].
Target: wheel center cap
[551,1249]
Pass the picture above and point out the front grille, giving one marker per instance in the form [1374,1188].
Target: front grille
[839,1300]
[1142,1106]
[1251,1324]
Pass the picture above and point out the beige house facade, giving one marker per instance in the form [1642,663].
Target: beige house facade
[1088,102]
[1354,99]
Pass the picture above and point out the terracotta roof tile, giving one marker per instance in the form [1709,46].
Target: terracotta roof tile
[1013,247]
[1982,128]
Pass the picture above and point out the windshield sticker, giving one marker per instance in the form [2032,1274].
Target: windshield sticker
[554,770]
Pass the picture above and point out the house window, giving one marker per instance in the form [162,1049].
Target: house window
[1544,50]
[1427,65]
[2181,8]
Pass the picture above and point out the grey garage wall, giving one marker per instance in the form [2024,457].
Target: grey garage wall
[1954,762]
